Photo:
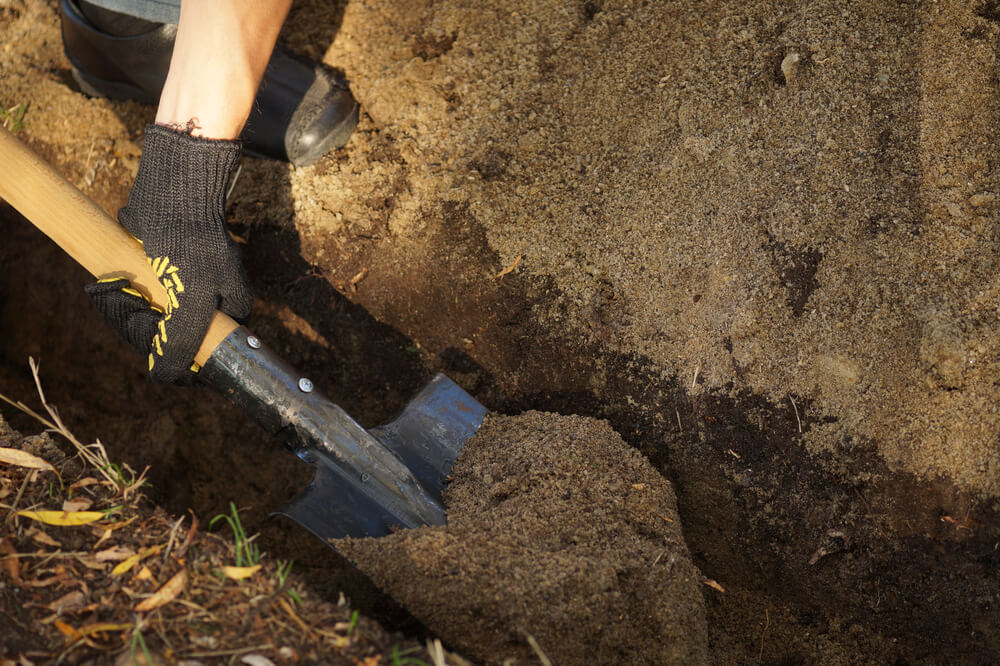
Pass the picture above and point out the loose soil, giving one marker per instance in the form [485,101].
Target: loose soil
[557,530]
[134,585]
[775,277]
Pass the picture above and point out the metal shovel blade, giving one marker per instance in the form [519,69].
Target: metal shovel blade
[367,482]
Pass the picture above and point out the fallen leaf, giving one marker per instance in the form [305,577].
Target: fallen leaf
[104,535]
[23,459]
[714,585]
[114,554]
[89,562]
[67,602]
[62,518]
[127,564]
[167,593]
[66,630]
[78,504]
[101,627]
[239,573]
[135,559]
[257,660]
[43,538]
[510,268]
[11,564]
[83,483]
[144,574]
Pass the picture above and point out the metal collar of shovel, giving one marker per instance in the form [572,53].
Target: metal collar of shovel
[367,482]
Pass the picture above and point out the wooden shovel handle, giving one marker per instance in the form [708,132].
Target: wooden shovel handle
[77,225]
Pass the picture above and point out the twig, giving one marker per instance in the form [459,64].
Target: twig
[17,498]
[767,623]
[54,423]
[796,412]
[228,653]
[173,536]
[436,651]
[545,661]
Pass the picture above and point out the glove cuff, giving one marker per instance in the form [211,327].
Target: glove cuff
[181,176]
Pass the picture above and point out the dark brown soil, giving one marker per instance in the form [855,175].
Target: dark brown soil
[781,289]
[556,530]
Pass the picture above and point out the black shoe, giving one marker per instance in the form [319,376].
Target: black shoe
[301,111]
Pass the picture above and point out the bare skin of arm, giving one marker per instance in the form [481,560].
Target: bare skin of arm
[221,51]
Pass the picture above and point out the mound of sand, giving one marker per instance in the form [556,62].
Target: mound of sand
[558,531]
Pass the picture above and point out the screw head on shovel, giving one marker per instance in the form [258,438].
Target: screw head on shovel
[367,482]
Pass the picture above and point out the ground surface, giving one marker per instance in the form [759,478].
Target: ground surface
[94,573]
[774,275]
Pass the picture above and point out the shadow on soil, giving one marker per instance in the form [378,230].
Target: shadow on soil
[840,547]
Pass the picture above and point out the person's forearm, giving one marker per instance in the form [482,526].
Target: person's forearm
[221,51]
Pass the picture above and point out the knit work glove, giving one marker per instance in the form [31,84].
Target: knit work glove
[177,209]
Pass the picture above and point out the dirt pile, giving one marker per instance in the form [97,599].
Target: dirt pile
[558,531]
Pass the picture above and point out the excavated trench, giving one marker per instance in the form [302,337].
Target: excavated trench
[821,560]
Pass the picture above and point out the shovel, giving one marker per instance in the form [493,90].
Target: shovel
[367,482]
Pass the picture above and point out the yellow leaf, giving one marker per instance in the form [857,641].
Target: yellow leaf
[239,573]
[126,564]
[101,627]
[23,459]
[165,594]
[132,561]
[63,518]
[66,630]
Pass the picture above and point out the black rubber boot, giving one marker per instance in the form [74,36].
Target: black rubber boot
[301,112]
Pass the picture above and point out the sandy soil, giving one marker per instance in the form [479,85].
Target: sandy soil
[774,276]
[557,530]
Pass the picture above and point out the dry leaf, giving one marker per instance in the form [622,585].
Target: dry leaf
[67,602]
[43,538]
[104,535]
[510,268]
[239,573]
[23,459]
[90,562]
[144,574]
[63,518]
[78,504]
[83,483]
[114,554]
[101,627]
[714,585]
[165,594]
[126,565]
[11,564]
[135,559]
[66,630]
[257,660]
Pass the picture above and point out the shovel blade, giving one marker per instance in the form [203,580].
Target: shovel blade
[367,482]
[427,436]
